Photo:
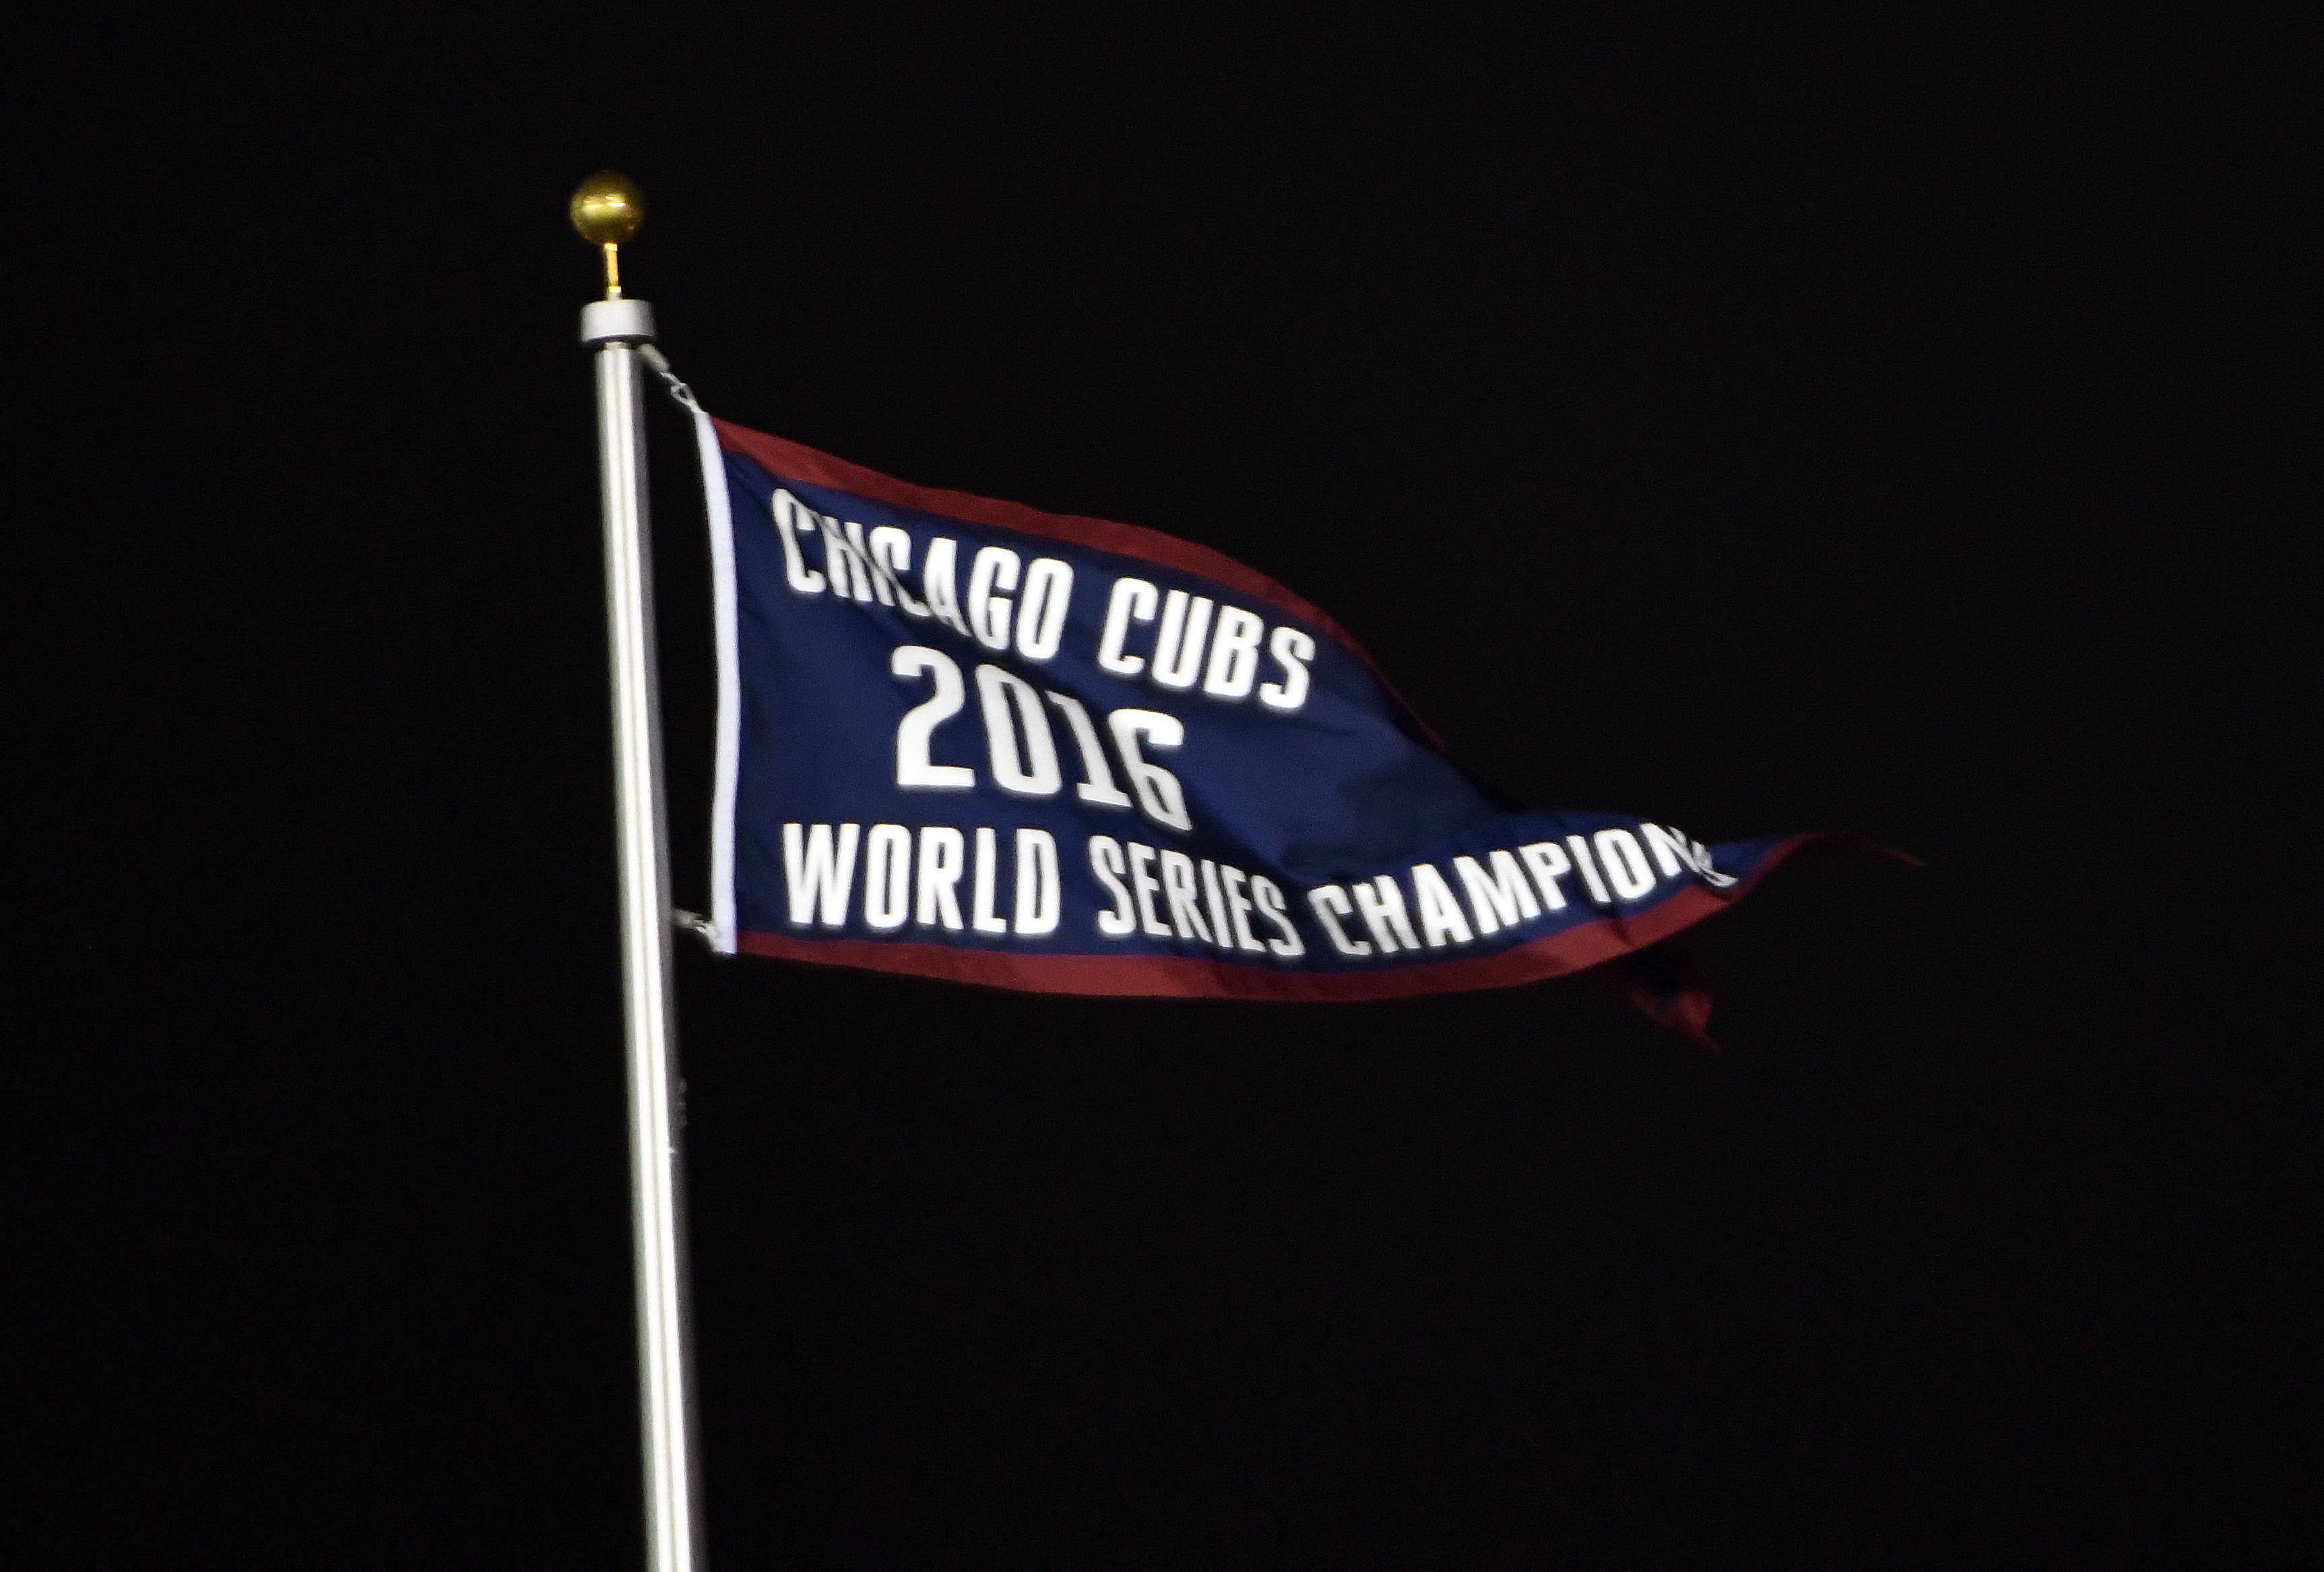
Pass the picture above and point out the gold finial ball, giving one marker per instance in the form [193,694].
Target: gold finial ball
[608,208]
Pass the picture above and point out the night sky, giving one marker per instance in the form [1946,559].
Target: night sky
[1752,425]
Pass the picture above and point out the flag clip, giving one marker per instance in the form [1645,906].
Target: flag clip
[695,923]
[659,364]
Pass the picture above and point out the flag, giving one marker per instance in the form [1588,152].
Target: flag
[962,738]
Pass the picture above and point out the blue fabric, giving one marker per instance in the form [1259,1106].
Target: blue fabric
[1337,792]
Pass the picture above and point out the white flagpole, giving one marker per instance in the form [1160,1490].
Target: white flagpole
[608,209]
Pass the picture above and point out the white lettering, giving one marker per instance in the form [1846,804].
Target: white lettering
[866,571]
[1670,849]
[988,613]
[887,876]
[843,561]
[1147,888]
[1673,852]
[1497,902]
[1159,793]
[937,581]
[1625,864]
[1132,600]
[1215,900]
[1038,892]
[1178,648]
[1041,617]
[1238,907]
[1382,904]
[1097,776]
[1035,774]
[1105,862]
[892,559]
[913,770]
[1589,868]
[1178,879]
[1292,650]
[1547,864]
[1439,914]
[790,518]
[1234,654]
[816,877]
[1330,905]
[942,854]
[985,920]
[1278,912]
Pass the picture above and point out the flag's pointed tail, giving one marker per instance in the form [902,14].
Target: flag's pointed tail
[1661,980]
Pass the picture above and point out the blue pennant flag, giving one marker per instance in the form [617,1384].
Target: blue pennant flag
[962,738]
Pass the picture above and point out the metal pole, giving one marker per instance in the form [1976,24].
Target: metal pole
[665,1333]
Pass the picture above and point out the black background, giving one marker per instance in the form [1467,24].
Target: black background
[1761,425]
